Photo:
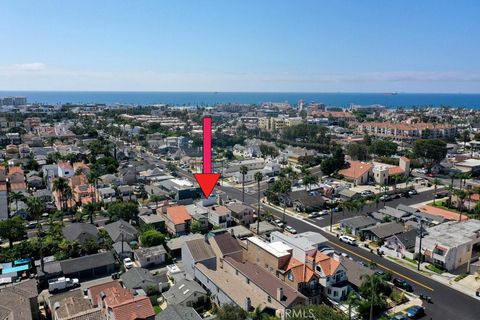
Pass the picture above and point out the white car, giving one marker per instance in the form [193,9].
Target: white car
[290,229]
[324,212]
[349,240]
[128,263]
[412,192]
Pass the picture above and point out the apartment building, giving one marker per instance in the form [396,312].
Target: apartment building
[406,132]
[278,124]
[452,244]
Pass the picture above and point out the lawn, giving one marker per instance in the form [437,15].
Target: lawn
[435,269]
[157,309]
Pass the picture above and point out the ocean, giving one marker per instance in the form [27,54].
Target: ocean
[211,98]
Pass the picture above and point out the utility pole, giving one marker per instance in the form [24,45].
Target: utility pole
[420,245]
[331,219]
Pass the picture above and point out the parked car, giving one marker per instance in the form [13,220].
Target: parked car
[314,214]
[412,192]
[290,229]
[399,317]
[271,180]
[402,284]
[278,223]
[441,195]
[366,193]
[385,197]
[128,263]
[349,240]
[416,312]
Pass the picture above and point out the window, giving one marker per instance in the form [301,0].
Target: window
[329,291]
[335,293]
[290,276]
[269,299]
[236,272]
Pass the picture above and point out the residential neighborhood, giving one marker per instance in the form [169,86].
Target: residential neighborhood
[100,220]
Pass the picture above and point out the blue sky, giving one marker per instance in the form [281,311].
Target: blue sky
[350,46]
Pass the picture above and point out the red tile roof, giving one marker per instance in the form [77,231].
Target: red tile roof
[95,290]
[301,272]
[356,169]
[395,170]
[178,214]
[138,308]
[65,165]
[328,264]
[13,170]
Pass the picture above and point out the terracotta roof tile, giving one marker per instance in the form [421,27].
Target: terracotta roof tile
[356,169]
[138,308]
[178,214]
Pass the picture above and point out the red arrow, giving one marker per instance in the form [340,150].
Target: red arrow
[207,180]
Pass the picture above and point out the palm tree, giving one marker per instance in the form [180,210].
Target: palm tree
[61,186]
[93,178]
[258,177]
[15,196]
[308,180]
[90,208]
[285,188]
[243,172]
[461,195]
[396,180]
[35,208]
[436,182]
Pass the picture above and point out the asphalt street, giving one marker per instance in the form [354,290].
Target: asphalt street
[447,303]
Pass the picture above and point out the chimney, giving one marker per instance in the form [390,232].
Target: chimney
[279,294]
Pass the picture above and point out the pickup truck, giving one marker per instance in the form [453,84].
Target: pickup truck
[56,285]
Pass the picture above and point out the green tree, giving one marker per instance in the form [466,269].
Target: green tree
[123,210]
[152,237]
[15,196]
[243,172]
[308,180]
[61,186]
[429,151]
[383,148]
[357,151]
[35,208]
[12,229]
[196,227]
[436,182]
[375,290]
[461,195]
[329,166]
[231,312]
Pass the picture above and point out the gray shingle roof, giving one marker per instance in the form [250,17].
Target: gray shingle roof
[385,230]
[137,278]
[87,262]
[182,290]
[80,231]
[115,231]
[151,251]
[177,312]
[397,214]
[200,250]
[358,222]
